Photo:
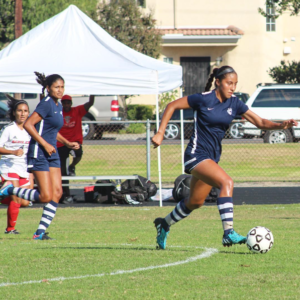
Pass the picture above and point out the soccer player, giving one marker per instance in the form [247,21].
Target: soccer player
[213,112]
[14,141]
[72,131]
[42,157]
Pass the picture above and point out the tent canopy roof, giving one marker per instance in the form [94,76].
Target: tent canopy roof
[86,56]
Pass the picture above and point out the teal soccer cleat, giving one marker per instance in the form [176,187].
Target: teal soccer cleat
[42,236]
[233,238]
[5,187]
[162,233]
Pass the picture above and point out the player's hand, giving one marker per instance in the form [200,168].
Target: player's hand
[19,152]
[157,139]
[73,145]
[49,149]
[289,123]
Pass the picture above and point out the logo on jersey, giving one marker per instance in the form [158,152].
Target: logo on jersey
[229,110]
[210,108]
[67,119]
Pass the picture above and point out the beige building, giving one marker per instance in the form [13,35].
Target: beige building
[201,34]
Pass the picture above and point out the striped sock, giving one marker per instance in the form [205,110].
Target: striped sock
[179,212]
[47,217]
[225,206]
[27,194]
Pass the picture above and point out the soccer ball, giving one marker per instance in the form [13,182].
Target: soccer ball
[260,239]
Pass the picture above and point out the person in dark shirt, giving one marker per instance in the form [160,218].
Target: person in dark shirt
[42,157]
[213,112]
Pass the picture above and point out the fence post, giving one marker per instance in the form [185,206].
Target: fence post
[148,148]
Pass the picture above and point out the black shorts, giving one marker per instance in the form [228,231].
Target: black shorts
[64,152]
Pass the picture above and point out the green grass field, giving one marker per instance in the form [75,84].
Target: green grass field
[243,162]
[109,253]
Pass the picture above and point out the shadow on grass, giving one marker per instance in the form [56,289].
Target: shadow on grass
[125,248]
[231,252]
[285,218]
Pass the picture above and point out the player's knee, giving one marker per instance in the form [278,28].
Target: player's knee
[195,203]
[58,193]
[45,196]
[227,183]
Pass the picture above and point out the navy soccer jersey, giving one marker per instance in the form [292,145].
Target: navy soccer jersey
[211,120]
[48,127]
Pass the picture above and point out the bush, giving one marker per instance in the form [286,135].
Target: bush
[136,128]
[140,112]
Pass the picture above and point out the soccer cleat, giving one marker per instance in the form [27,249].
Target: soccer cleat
[71,171]
[162,233]
[5,187]
[42,236]
[11,231]
[233,238]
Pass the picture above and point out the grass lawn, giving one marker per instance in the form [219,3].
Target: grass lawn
[243,162]
[109,253]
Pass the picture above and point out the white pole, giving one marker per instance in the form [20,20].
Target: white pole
[158,154]
[182,135]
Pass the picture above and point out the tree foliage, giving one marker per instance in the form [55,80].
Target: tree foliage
[166,98]
[281,6]
[34,13]
[124,20]
[286,72]
[7,21]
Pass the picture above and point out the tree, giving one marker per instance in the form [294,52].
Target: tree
[34,13]
[7,22]
[124,20]
[281,6]
[286,72]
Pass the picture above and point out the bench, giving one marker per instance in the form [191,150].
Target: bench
[95,178]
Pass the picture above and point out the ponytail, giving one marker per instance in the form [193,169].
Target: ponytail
[47,81]
[219,73]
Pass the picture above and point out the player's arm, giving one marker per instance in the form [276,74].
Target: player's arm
[4,137]
[29,127]
[181,103]
[71,145]
[267,124]
[89,104]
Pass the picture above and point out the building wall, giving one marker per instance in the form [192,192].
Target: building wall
[257,50]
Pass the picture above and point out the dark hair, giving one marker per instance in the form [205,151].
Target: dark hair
[219,73]
[13,104]
[47,81]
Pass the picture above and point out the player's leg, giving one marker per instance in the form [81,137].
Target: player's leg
[54,184]
[64,164]
[212,174]
[77,155]
[198,193]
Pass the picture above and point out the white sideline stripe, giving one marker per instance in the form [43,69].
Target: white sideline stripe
[207,253]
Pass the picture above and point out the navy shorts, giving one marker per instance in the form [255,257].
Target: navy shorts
[42,163]
[192,160]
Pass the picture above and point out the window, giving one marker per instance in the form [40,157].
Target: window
[270,22]
[141,3]
[278,98]
[168,60]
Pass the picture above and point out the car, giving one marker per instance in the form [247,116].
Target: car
[105,109]
[4,118]
[275,102]
[173,128]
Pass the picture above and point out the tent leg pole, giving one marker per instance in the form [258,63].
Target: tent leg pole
[158,154]
[182,135]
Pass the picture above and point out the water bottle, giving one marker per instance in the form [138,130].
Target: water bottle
[118,185]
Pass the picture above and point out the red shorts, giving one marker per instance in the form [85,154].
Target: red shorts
[13,176]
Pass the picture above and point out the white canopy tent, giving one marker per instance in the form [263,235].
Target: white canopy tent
[87,57]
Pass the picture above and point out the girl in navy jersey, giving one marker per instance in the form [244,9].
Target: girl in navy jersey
[42,157]
[14,141]
[213,112]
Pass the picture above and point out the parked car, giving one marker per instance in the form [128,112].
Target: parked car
[173,127]
[3,112]
[106,108]
[275,102]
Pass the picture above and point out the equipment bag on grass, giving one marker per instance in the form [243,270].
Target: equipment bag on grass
[181,189]
[135,190]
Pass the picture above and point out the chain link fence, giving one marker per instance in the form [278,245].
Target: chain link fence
[248,156]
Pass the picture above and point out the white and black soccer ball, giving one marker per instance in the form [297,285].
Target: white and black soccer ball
[260,239]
